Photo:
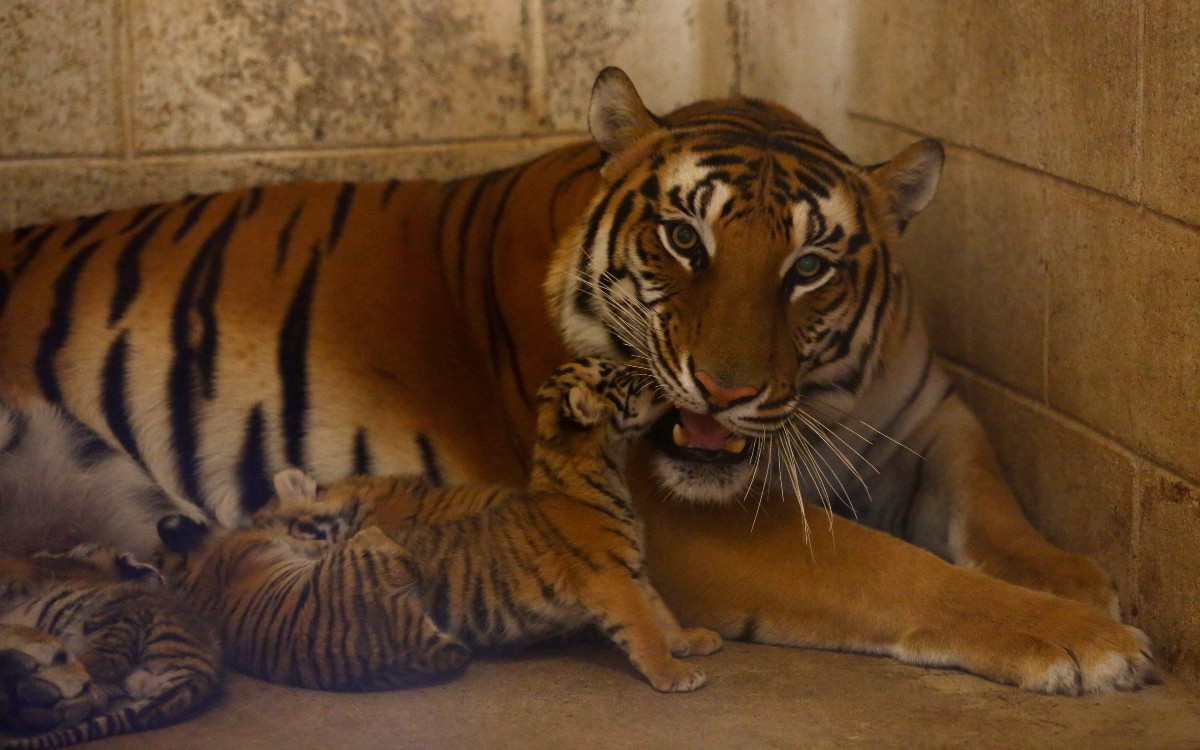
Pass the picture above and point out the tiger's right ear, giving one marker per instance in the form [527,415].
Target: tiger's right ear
[617,118]
[293,485]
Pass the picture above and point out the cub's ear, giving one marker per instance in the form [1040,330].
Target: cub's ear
[180,533]
[911,178]
[617,118]
[583,406]
[293,485]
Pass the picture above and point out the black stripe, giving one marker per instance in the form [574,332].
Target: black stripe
[340,210]
[19,424]
[32,248]
[113,395]
[5,288]
[253,201]
[429,462]
[464,224]
[128,269]
[89,448]
[386,195]
[362,453]
[196,296]
[284,243]
[497,323]
[193,215]
[749,629]
[83,226]
[293,364]
[55,336]
[139,217]
[23,232]
[252,463]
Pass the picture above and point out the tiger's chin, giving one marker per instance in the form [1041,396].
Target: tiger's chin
[714,475]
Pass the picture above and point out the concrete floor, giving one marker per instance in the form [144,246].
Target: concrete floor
[584,695]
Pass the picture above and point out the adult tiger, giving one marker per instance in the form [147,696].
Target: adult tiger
[727,247]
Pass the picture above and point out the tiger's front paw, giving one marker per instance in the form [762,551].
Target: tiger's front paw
[42,685]
[1055,646]
[696,642]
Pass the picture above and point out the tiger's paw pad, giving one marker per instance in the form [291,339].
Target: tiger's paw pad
[676,677]
[696,642]
[43,686]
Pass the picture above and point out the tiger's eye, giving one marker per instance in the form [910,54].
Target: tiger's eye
[684,237]
[809,266]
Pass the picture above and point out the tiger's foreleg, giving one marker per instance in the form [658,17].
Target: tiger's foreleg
[965,512]
[851,588]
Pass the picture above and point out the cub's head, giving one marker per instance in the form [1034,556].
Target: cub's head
[599,398]
[744,262]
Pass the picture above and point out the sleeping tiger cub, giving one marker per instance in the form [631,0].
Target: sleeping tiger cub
[92,646]
[492,566]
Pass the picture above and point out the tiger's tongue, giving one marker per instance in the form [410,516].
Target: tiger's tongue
[702,431]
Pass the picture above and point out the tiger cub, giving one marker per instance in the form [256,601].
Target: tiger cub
[92,646]
[308,613]
[498,566]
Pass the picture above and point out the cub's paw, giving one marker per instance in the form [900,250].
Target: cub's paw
[42,685]
[696,642]
[675,676]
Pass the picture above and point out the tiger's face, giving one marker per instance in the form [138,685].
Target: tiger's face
[744,263]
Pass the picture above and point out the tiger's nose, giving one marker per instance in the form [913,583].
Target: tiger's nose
[718,395]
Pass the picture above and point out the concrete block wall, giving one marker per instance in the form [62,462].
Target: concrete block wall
[1060,263]
[112,103]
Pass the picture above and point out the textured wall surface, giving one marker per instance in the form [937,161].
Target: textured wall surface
[1060,263]
[112,103]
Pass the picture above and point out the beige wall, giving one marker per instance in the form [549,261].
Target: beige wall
[1060,262]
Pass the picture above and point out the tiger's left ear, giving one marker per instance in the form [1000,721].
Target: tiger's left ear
[910,179]
[617,118]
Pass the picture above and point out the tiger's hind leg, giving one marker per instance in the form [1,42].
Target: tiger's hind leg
[43,685]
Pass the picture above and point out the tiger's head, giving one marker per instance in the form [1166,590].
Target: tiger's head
[742,261]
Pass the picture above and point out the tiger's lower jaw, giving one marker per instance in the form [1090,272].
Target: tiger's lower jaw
[703,483]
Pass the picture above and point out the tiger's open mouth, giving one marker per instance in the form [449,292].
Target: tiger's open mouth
[691,436]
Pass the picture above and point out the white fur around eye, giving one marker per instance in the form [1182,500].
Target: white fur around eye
[810,285]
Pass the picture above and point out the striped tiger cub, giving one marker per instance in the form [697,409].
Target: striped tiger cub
[492,566]
[91,646]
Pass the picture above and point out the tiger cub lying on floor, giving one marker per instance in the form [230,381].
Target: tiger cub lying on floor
[92,646]
[373,581]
